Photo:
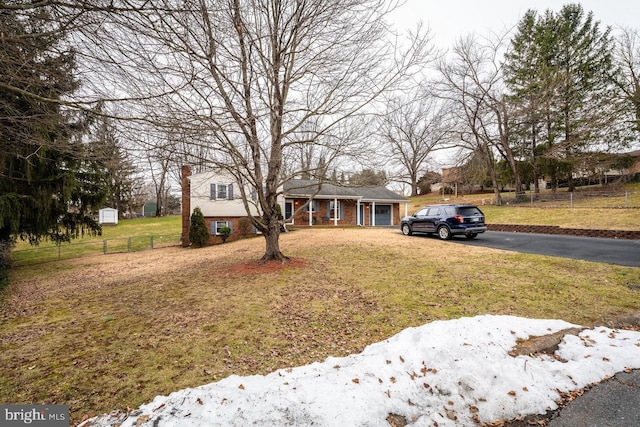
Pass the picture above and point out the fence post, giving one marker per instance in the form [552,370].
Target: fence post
[59,251]
[571,199]
[104,246]
[129,244]
[626,199]
[531,194]
[152,241]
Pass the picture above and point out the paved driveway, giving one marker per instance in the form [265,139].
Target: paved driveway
[612,251]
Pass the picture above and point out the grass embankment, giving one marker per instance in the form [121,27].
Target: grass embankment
[606,213]
[114,331]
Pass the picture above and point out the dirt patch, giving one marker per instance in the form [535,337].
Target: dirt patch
[545,344]
[253,267]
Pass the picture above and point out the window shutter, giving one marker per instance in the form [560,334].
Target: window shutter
[329,211]
[341,210]
[230,225]
[230,192]
[212,190]
[212,226]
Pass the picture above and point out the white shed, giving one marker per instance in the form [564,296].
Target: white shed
[108,216]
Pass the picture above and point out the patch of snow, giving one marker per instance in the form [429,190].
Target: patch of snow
[446,372]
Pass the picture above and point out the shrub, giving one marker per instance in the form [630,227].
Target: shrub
[224,233]
[198,233]
[244,226]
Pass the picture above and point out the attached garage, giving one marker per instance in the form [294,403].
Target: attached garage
[382,215]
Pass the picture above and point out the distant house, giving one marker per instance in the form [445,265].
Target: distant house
[304,203]
[634,168]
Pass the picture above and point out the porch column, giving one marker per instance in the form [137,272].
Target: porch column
[358,212]
[336,211]
[310,212]
[373,214]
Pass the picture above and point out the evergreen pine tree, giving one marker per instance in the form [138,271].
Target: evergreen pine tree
[46,190]
[559,71]
[198,233]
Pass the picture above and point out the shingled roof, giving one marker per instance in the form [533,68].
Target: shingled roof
[308,188]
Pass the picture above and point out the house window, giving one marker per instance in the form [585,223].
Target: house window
[332,210]
[221,192]
[313,206]
[217,225]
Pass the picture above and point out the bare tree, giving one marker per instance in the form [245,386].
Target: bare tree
[628,79]
[474,81]
[246,77]
[413,128]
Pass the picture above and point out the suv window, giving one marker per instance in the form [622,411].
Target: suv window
[421,212]
[450,211]
[469,210]
[434,212]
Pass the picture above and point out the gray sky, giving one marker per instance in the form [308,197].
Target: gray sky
[450,19]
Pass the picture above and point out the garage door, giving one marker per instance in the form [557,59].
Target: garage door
[383,214]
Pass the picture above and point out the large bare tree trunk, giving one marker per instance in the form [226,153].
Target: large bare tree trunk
[272,241]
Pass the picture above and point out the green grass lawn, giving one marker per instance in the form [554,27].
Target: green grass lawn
[127,235]
[106,332]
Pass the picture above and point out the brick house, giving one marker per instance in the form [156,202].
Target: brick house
[304,203]
[340,205]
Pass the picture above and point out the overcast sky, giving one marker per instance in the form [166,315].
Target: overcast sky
[453,18]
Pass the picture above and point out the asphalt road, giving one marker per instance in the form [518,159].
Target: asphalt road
[611,251]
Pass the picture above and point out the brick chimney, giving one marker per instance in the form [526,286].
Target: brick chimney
[186,204]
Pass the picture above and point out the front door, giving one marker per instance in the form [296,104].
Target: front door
[288,212]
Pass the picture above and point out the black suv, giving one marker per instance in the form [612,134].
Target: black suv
[446,220]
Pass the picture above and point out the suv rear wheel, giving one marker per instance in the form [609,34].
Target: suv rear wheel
[406,230]
[444,233]
[471,235]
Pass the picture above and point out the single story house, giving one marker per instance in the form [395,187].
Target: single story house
[304,203]
[336,204]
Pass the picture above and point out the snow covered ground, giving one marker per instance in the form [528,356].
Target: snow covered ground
[455,372]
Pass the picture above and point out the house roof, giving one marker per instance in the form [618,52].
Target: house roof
[308,188]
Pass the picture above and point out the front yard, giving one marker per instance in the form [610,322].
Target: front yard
[106,332]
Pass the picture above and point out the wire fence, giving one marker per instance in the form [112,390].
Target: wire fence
[53,252]
[575,199]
